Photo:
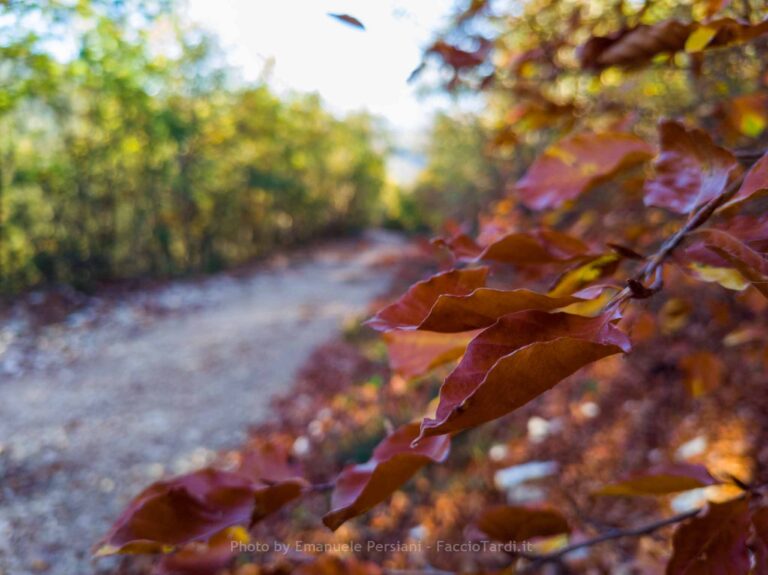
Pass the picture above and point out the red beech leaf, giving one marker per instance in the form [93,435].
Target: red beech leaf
[414,353]
[507,523]
[534,248]
[194,507]
[202,558]
[760,527]
[748,262]
[631,47]
[662,481]
[690,169]
[459,59]
[517,359]
[638,45]
[518,248]
[416,303]
[266,462]
[395,460]
[576,163]
[715,542]
[703,372]
[347,19]
[482,307]
[755,181]
[461,246]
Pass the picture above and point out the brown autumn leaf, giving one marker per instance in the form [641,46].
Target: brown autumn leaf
[484,306]
[760,528]
[755,181]
[631,47]
[459,59]
[690,169]
[417,302]
[534,248]
[203,558]
[662,480]
[713,542]
[712,7]
[194,507]
[460,245]
[394,461]
[723,249]
[509,523]
[704,371]
[517,359]
[575,164]
[414,353]
[747,115]
[637,46]
[347,19]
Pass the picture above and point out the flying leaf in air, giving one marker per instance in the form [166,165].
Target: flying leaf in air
[713,542]
[662,480]
[347,19]
[416,303]
[517,359]
[510,523]
[414,353]
[575,164]
[690,169]
[395,460]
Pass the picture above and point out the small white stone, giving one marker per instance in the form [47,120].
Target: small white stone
[301,446]
[498,452]
[590,409]
[692,448]
[538,429]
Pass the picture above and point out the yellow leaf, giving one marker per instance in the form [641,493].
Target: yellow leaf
[699,39]
[729,278]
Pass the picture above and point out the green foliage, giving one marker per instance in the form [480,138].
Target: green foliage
[138,154]
[462,174]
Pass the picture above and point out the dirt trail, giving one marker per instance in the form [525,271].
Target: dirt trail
[142,399]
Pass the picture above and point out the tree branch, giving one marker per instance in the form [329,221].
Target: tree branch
[555,556]
[696,220]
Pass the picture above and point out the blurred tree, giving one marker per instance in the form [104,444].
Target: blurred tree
[463,175]
[128,148]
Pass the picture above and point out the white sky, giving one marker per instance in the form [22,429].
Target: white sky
[350,68]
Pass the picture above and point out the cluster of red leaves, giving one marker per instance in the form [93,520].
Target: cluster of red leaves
[513,345]
[509,345]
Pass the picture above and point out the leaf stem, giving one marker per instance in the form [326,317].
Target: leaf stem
[697,219]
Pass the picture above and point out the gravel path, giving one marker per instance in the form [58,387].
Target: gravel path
[108,406]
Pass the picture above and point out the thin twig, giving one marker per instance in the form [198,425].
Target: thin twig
[608,536]
[652,267]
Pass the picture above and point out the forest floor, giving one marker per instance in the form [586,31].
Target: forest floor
[124,390]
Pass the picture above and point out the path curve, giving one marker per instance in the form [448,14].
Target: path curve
[159,397]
